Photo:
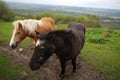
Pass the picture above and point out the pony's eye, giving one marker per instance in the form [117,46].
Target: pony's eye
[18,33]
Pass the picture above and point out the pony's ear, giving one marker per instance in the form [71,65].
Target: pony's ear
[37,33]
[20,25]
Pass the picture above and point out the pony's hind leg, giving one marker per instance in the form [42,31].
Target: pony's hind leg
[74,64]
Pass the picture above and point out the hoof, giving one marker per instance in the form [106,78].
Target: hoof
[75,71]
[61,77]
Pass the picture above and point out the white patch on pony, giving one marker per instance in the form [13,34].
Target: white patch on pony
[12,39]
[39,42]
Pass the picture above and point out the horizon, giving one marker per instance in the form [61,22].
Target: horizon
[116,6]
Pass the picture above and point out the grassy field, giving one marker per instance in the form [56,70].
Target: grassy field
[101,50]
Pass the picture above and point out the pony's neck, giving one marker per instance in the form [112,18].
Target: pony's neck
[33,38]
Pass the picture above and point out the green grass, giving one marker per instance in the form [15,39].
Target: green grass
[101,50]
[104,57]
[8,71]
[5,31]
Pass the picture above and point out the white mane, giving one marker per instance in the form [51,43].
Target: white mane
[28,25]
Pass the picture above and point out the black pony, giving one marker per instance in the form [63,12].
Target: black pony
[66,44]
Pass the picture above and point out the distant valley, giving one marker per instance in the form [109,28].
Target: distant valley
[37,8]
[109,17]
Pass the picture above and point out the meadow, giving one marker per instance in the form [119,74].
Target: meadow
[101,50]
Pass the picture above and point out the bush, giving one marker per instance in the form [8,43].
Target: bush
[106,34]
[44,14]
[63,18]
[96,35]
[19,18]
[8,17]
[91,21]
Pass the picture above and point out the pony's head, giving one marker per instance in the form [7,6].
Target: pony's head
[18,34]
[23,28]
[43,50]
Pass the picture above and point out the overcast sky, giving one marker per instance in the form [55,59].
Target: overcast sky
[114,4]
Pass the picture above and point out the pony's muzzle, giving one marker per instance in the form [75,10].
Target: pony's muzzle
[14,46]
[34,66]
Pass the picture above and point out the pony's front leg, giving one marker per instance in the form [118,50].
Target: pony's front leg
[63,66]
[74,65]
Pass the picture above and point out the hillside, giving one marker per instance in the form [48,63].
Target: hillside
[109,17]
[36,8]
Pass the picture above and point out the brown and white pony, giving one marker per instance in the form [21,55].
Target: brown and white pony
[27,28]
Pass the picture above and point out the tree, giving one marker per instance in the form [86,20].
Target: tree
[5,13]
[2,8]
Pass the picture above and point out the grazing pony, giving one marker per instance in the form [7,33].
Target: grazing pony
[66,44]
[27,28]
